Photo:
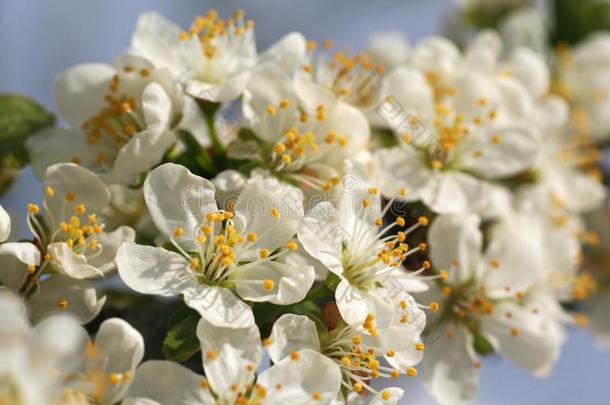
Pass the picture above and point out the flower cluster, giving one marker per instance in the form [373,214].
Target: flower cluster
[322,223]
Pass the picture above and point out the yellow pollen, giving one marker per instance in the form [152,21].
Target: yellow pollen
[373,190]
[412,372]
[204,384]
[434,306]
[268,284]
[422,247]
[316,396]
[400,221]
[275,212]
[80,209]
[495,264]
[62,303]
[195,263]
[423,221]
[366,202]
[496,139]
[426,264]
[295,356]
[284,103]
[378,222]
[581,320]
[357,387]
[252,236]
[49,191]
[443,274]
[346,361]
[292,245]
[420,346]
[267,341]
[446,290]
[178,232]
[70,197]
[271,110]
[33,208]
[279,148]
[211,354]
[515,331]
[31,269]
[386,393]
[263,253]
[115,378]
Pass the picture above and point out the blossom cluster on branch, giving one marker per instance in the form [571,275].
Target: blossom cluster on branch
[325,222]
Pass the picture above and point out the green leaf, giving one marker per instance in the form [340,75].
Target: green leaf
[181,342]
[332,281]
[20,117]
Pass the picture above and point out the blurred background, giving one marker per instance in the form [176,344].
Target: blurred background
[38,39]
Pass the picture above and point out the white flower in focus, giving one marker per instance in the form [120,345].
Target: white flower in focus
[70,246]
[353,244]
[345,346]
[231,356]
[213,59]
[221,257]
[491,297]
[119,119]
[304,143]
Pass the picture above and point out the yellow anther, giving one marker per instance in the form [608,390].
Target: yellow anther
[62,303]
[423,221]
[31,269]
[386,395]
[195,263]
[268,284]
[49,191]
[275,212]
[495,263]
[426,264]
[356,340]
[145,72]
[252,236]
[286,159]
[434,306]
[346,361]
[70,197]
[419,346]
[581,320]
[412,372]
[284,103]
[204,383]
[515,331]
[357,387]
[390,353]
[33,208]
[292,245]
[422,247]
[400,221]
[316,396]
[178,232]
[443,274]
[211,354]
[93,244]
[267,341]
[206,229]
[201,238]
[80,209]
[263,253]
[343,140]
[183,36]
[271,109]
[373,190]
[366,202]
[378,222]
[436,164]
[115,378]
[279,148]
[296,356]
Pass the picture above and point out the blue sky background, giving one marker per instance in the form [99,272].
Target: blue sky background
[38,39]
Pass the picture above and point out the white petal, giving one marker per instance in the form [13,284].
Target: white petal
[192,198]
[80,91]
[156,39]
[393,395]
[321,235]
[450,375]
[122,349]
[402,167]
[59,341]
[411,96]
[153,270]
[167,382]
[391,48]
[289,51]
[71,263]
[111,242]
[218,93]
[25,252]
[456,240]
[5,225]
[86,187]
[517,245]
[219,306]
[228,184]
[230,355]
[300,379]
[292,333]
[515,152]
[290,283]
[531,69]
[258,200]
[56,145]
[80,295]
[452,192]
[530,345]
